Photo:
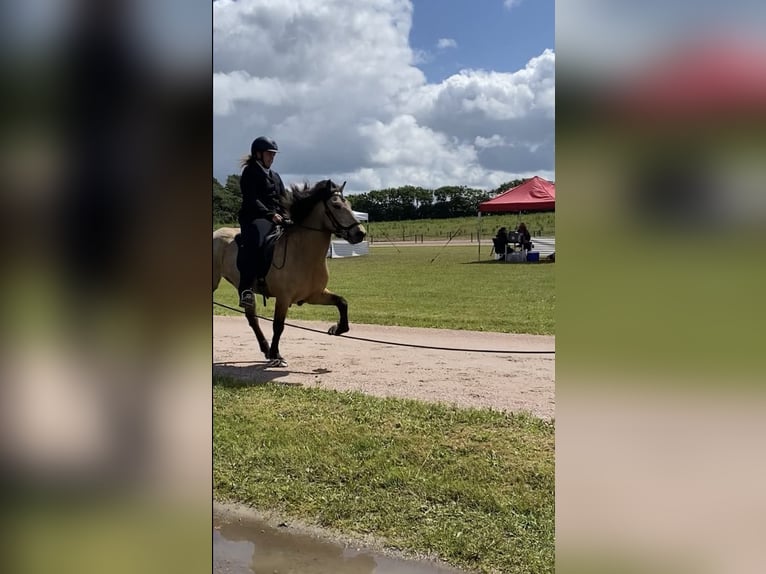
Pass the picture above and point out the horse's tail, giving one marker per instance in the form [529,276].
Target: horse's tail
[222,238]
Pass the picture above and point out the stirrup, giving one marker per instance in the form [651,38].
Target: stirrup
[247,299]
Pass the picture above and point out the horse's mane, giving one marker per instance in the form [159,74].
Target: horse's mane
[301,199]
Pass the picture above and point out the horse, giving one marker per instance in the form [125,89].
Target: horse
[298,272]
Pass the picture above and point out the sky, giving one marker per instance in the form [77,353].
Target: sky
[387,93]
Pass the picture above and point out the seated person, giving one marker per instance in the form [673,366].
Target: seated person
[525,239]
[501,241]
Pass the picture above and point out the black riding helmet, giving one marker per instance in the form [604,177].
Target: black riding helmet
[263,144]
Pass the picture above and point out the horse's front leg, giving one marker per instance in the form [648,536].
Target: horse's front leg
[280,312]
[329,298]
[252,320]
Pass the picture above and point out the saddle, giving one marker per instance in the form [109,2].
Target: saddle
[266,249]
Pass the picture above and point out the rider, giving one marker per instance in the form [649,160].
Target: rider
[261,211]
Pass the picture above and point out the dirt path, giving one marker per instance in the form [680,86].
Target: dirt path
[510,382]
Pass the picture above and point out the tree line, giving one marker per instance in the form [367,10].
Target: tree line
[392,204]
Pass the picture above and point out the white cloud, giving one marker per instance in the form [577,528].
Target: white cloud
[405,143]
[511,3]
[502,96]
[421,57]
[493,141]
[239,86]
[444,43]
[344,99]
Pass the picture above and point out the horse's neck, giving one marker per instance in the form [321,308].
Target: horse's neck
[312,242]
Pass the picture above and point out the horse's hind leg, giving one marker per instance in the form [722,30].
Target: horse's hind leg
[252,319]
[329,298]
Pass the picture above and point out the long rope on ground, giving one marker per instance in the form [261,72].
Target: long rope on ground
[391,242]
[494,351]
[445,245]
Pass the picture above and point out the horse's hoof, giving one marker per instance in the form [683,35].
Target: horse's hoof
[335,330]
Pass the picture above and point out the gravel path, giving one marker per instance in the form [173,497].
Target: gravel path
[509,382]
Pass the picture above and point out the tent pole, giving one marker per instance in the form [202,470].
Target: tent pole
[478,235]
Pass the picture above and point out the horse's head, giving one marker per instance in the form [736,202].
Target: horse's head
[324,208]
[338,215]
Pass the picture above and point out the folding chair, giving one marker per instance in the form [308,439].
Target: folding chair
[499,248]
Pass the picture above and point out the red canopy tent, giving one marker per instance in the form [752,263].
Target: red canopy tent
[535,194]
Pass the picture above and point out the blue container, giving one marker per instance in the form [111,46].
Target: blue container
[533,256]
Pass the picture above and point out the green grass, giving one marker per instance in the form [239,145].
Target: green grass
[455,291]
[464,227]
[475,487]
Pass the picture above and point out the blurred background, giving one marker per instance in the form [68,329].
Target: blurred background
[105,422]
[660,115]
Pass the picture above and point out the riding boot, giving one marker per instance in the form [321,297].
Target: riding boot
[260,274]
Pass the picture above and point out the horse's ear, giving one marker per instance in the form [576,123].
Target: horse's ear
[342,186]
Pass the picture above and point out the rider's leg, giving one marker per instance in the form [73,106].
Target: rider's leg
[248,251]
[264,227]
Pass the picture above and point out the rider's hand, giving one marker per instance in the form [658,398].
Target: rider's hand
[277,218]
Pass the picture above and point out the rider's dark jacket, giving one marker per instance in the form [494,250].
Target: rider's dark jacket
[261,192]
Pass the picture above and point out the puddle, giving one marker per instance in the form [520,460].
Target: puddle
[254,547]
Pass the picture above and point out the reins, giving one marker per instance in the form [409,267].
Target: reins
[338,229]
[286,235]
[332,218]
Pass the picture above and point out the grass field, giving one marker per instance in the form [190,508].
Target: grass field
[432,287]
[460,227]
[475,487]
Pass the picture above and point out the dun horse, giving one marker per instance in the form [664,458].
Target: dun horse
[298,272]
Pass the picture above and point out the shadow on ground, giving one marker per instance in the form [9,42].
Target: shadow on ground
[501,262]
[249,374]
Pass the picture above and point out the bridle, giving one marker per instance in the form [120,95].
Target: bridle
[341,230]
